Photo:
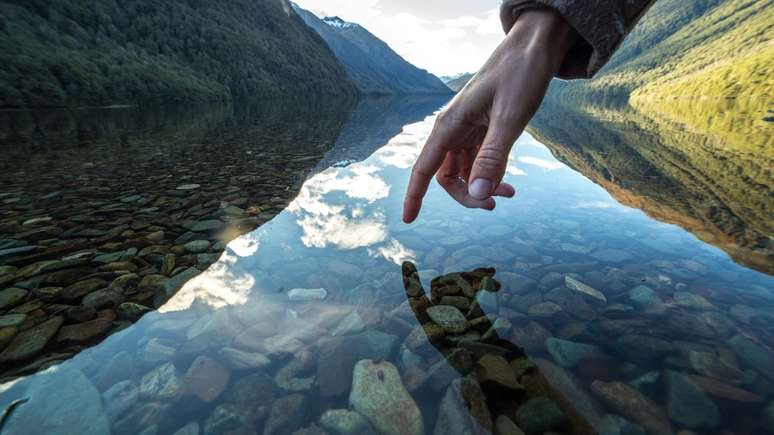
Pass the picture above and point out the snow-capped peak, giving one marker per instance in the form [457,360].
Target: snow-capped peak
[338,22]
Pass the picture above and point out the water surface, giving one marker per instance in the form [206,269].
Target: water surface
[624,293]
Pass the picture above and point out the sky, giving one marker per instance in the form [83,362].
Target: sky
[445,37]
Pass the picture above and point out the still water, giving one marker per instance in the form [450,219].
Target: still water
[624,290]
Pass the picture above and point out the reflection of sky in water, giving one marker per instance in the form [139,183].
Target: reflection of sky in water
[344,233]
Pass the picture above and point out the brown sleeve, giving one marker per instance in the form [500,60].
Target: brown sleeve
[601,24]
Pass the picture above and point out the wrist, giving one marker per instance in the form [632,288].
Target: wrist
[541,33]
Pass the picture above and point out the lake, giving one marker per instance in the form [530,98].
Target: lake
[243,269]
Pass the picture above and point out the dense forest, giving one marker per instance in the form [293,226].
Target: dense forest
[98,52]
[698,48]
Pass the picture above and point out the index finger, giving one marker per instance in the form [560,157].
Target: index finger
[427,164]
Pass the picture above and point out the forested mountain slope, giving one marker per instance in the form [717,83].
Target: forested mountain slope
[97,52]
[457,83]
[371,63]
[694,48]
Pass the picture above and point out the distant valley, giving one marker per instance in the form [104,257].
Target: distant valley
[373,66]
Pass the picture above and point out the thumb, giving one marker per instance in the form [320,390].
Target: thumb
[492,158]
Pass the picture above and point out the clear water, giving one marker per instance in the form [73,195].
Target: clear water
[638,302]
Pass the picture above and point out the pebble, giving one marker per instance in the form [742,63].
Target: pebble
[688,405]
[307,294]
[538,415]
[569,353]
[132,311]
[197,246]
[119,398]
[594,294]
[379,395]
[634,405]
[612,424]
[449,318]
[506,426]
[544,309]
[11,297]
[163,382]
[191,186]
[345,422]
[495,370]
[30,342]
[463,410]
[287,414]
[12,320]
[241,360]
[205,379]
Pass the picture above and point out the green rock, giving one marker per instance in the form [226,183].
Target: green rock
[30,342]
[11,297]
[538,415]
[449,318]
[688,405]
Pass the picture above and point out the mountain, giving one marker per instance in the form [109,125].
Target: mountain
[695,48]
[456,83]
[100,52]
[712,182]
[370,62]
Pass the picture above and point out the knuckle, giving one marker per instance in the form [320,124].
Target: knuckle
[491,159]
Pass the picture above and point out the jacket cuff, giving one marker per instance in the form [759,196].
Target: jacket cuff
[601,25]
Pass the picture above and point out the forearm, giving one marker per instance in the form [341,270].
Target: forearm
[601,25]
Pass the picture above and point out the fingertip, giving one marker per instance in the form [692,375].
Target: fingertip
[505,190]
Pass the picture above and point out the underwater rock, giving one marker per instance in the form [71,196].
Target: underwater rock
[688,405]
[463,410]
[449,318]
[379,395]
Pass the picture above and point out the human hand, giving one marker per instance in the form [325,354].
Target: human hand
[468,148]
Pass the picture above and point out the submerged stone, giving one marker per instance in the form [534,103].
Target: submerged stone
[287,414]
[540,414]
[379,395]
[307,294]
[688,405]
[569,353]
[345,422]
[60,400]
[574,284]
[30,342]
[463,410]
[449,318]
[634,405]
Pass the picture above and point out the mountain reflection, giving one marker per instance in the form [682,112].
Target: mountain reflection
[716,183]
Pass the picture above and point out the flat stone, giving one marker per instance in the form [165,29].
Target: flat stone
[538,415]
[532,336]
[205,379]
[106,297]
[693,301]
[172,285]
[80,314]
[59,401]
[633,405]
[11,297]
[506,426]
[643,348]
[594,294]
[282,345]
[345,422]
[241,360]
[569,353]
[132,311]
[612,424]
[688,405]
[307,294]
[463,410]
[163,382]
[721,390]
[190,186]
[206,226]
[157,350]
[544,309]
[87,331]
[119,398]
[82,288]
[644,296]
[352,324]
[379,395]
[494,370]
[753,355]
[12,320]
[287,414]
[30,342]
[197,246]
[449,318]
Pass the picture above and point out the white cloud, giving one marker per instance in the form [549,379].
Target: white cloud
[443,45]
[541,163]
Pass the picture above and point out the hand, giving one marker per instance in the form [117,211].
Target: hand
[468,147]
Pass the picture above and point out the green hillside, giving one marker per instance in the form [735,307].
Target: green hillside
[97,52]
[688,49]
[456,84]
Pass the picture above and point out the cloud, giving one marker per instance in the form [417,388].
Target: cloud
[541,163]
[444,46]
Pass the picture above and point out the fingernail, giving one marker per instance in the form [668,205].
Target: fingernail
[480,188]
